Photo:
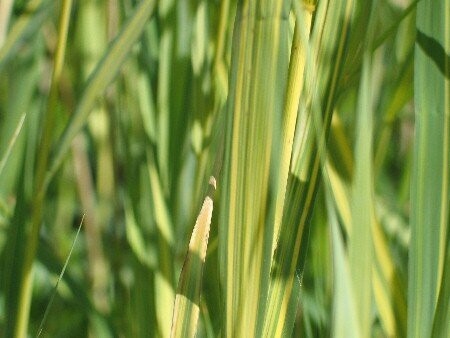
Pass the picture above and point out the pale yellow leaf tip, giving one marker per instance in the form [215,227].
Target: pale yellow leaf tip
[212,181]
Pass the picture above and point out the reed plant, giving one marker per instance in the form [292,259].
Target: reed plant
[248,168]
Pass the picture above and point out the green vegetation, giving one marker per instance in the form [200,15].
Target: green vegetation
[326,124]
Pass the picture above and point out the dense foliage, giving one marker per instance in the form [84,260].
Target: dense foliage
[326,124]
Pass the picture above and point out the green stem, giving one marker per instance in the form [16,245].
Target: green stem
[44,149]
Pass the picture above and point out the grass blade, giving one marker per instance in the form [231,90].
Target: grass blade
[24,28]
[360,237]
[11,143]
[441,325]
[187,301]
[103,74]
[345,319]
[258,69]
[164,275]
[37,200]
[304,179]
[294,89]
[47,309]
[430,176]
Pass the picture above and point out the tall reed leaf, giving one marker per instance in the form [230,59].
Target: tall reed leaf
[187,302]
[11,143]
[24,28]
[360,237]
[102,75]
[430,175]
[259,66]
[20,321]
[284,309]
[345,318]
[330,33]
[164,275]
[441,325]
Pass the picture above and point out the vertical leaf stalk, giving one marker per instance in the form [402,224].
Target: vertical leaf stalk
[25,288]
[430,175]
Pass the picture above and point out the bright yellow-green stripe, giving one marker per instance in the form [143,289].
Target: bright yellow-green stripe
[252,105]
[295,86]
[390,299]
[232,240]
[287,252]
[187,302]
[298,240]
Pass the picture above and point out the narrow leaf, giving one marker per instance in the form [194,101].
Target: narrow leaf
[360,237]
[345,320]
[329,33]
[11,143]
[257,84]
[102,75]
[24,28]
[430,175]
[187,301]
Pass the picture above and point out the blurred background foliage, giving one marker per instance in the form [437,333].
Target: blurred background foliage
[118,110]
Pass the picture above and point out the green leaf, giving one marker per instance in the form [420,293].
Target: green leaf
[187,301]
[11,143]
[430,176]
[329,33]
[345,319]
[441,325]
[136,240]
[25,28]
[100,78]
[360,236]
[257,84]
